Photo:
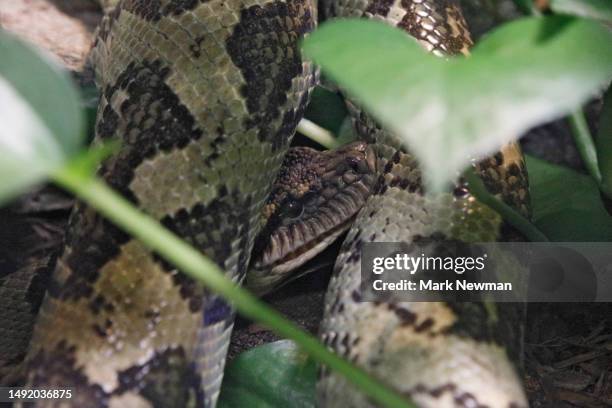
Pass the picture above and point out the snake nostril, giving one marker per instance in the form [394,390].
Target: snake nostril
[355,163]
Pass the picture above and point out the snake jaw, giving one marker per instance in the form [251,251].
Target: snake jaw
[314,201]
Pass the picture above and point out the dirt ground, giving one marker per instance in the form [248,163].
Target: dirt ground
[568,358]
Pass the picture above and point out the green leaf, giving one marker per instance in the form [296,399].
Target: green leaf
[596,9]
[566,204]
[448,111]
[277,374]
[40,115]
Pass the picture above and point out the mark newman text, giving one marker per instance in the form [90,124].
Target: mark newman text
[431,285]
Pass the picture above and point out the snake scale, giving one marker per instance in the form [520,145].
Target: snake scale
[205,96]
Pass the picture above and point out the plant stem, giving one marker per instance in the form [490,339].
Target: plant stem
[315,132]
[193,263]
[584,143]
[508,213]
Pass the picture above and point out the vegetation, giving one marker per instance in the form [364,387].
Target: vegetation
[525,73]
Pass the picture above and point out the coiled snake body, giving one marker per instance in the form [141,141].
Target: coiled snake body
[205,96]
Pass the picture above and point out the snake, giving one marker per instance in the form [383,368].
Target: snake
[205,96]
[439,354]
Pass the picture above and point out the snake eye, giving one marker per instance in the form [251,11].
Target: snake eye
[293,209]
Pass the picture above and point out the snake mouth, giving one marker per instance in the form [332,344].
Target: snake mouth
[314,201]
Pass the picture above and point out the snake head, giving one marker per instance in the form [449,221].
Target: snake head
[314,200]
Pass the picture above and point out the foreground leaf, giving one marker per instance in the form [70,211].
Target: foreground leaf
[40,115]
[448,111]
[273,375]
[567,205]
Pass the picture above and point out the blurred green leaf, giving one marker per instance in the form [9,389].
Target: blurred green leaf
[566,204]
[273,375]
[596,9]
[448,111]
[42,123]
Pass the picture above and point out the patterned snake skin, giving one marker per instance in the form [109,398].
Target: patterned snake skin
[205,96]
